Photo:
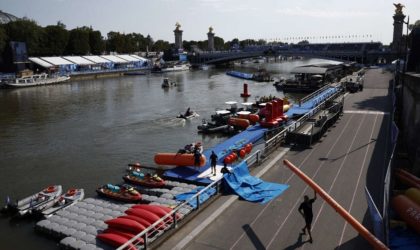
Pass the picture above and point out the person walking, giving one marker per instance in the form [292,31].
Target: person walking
[305,209]
[213,161]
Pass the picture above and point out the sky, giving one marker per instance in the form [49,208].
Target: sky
[272,20]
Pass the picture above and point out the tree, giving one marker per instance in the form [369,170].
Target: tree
[161,45]
[28,31]
[79,41]
[218,43]
[3,39]
[96,42]
[303,42]
[115,42]
[57,38]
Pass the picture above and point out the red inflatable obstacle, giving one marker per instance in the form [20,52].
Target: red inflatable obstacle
[245,93]
[180,160]
[238,122]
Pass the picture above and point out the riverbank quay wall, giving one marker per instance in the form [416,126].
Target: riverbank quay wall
[409,120]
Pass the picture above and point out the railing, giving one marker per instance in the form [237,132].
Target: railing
[251,160]
[278,139]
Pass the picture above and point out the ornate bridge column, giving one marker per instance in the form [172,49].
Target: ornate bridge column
[210,39]
[399,16]
[178,36]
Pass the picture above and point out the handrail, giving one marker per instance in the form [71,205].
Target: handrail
[254,158]
[152,227]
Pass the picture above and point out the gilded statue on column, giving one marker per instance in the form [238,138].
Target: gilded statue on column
[398,8]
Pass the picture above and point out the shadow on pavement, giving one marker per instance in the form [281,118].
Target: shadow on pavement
[299,242]
[253,237]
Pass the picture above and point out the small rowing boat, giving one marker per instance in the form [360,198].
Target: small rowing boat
[36,201]
[71,197]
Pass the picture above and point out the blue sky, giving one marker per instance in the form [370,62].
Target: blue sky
[263,19]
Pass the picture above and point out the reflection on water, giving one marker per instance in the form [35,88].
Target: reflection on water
[83,133]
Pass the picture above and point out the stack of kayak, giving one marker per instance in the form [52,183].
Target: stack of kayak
[136,219]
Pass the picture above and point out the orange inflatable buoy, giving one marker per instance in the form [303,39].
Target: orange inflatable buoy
[178,159]
[253,118]
[240,122]
[242,153]
[408,210]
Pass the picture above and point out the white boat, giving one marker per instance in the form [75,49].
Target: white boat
[35,80]
[36,201]
[71,197]
[176,67]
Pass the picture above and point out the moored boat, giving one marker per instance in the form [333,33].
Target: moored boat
[123,192]
[147,180]
[71,197]
[36,201]
[35,80]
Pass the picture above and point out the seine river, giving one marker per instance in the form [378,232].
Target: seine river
[84,133]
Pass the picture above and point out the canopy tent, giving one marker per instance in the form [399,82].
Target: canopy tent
[129,58]
[78,60]
[96,59]
[115,59]
[40,62]
[57,61]
[139,57]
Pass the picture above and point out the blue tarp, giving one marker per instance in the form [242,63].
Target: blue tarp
[251,135]
[251,188]
[203,197]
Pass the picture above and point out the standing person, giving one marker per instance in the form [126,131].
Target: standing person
[213,161]
[197,157]
[305,209]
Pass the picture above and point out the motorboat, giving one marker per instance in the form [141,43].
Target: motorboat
[35,80]
[45,197]
[188,114]
[211,128]
[68,199]
[168,83]
[147,180]
[124,192]
[176,67]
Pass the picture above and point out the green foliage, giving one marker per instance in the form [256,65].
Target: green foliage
[3,39]
[161,45]
[28,31]
[79,41]
[96,42]
[56,40]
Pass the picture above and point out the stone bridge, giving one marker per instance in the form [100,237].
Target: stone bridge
[365,53]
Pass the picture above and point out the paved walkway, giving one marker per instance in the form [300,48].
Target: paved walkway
[349,157]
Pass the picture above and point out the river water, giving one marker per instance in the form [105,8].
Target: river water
[84,133]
